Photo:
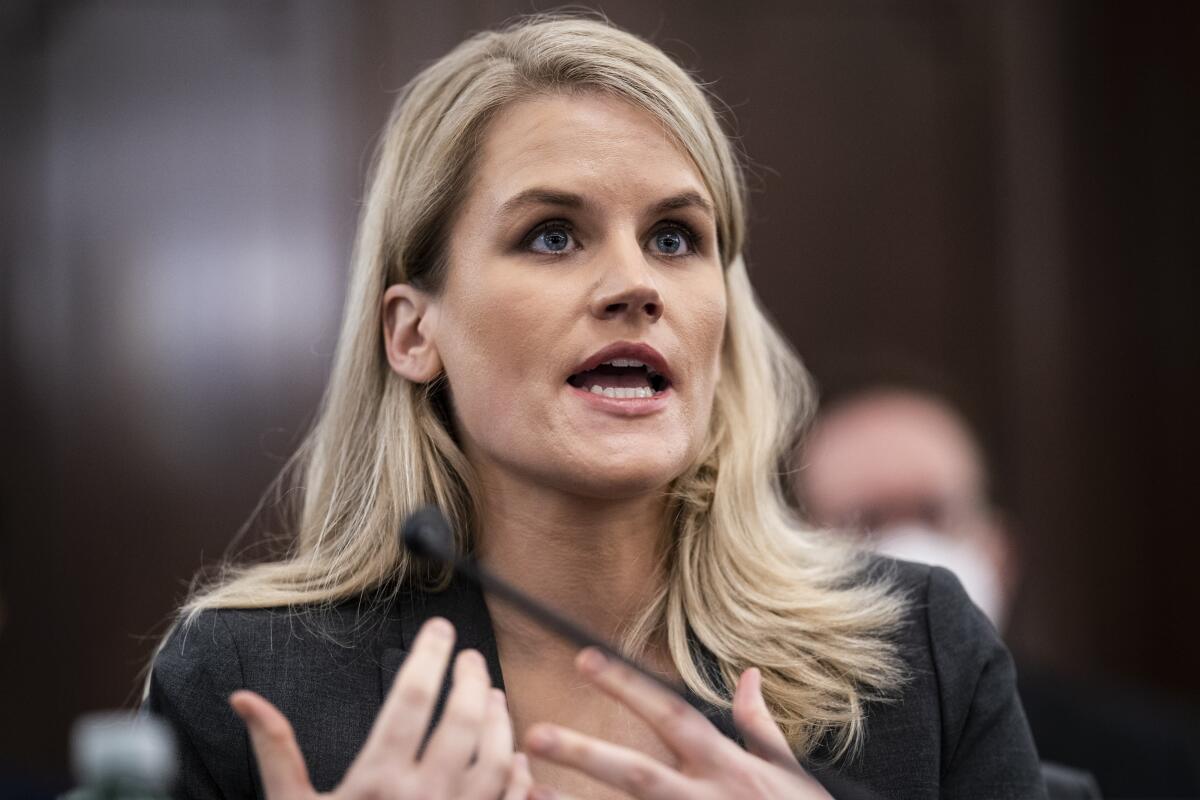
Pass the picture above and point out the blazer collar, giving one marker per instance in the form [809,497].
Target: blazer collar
[463,604]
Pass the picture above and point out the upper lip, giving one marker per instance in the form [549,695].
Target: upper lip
[639,351]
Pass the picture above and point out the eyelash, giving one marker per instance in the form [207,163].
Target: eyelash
[689,233]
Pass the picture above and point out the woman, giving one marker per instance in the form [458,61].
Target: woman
[550,333]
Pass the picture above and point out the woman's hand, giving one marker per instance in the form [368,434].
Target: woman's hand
[710,766]
[475,724]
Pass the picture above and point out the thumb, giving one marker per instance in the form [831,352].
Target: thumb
[280,762]
[753,719]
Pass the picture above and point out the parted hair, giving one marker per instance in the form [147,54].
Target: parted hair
[744,576]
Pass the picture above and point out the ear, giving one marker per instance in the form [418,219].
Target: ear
[409,321]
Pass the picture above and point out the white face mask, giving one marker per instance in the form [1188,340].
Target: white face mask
[962,556]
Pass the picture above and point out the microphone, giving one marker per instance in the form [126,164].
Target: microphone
[426,533]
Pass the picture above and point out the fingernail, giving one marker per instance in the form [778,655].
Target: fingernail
[439,627]
[758,689]
[472,659]
[541,738]
[592,660]
[237,706]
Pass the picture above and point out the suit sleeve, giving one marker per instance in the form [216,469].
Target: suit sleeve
[987,749]
[190,683]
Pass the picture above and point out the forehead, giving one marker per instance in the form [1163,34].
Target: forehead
[891,447]
[585,142]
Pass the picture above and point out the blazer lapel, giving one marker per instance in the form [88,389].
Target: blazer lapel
[462,603]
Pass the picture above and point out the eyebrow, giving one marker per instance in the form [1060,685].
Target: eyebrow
[541,197]
[550,197]
[687,199]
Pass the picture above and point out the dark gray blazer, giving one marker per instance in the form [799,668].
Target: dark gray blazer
[956,731]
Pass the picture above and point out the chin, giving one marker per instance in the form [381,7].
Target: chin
[620,476]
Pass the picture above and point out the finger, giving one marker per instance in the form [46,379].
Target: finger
[490,772]
[520,779]
[401,724]
[632,772]
[754,721]
[280,762]
[457,735]
[690,736]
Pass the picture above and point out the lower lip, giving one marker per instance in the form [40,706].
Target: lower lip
[624,406]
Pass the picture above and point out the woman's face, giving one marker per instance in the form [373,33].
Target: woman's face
[586,248]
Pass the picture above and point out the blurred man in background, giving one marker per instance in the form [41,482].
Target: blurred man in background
[903,468]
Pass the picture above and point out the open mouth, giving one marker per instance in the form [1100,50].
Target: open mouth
[621,378]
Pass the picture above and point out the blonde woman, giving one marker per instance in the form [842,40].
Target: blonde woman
[550,333]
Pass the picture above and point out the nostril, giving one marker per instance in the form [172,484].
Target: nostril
[651,309]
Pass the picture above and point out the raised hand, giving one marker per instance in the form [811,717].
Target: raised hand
[710,766]
[475,725]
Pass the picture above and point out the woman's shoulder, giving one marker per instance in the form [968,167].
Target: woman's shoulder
[910,577]
[239,641]
[196,669]
[944,639]
[958,710]
[938,611]
[320,666]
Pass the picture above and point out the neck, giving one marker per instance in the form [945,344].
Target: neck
[596,561]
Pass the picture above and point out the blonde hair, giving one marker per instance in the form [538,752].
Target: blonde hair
[743,575]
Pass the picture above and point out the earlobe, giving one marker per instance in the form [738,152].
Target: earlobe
[409,322]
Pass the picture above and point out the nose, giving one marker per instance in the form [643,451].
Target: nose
[627,290]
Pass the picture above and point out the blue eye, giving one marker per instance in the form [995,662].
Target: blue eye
[673,242]
[551,240]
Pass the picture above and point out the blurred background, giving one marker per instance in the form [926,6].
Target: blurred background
[1000,192]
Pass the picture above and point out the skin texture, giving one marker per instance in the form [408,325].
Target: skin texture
[573,489]
[706,765]
[511,324]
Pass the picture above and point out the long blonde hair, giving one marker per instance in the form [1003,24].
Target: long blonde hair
[744,576]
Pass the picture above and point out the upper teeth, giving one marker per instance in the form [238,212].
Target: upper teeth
[623,392]
[625,362]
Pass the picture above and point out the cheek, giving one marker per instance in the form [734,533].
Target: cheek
[700,326]
[492,340]
[467,355]
[703,333]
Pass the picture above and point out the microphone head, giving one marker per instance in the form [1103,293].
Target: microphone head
[426,532]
